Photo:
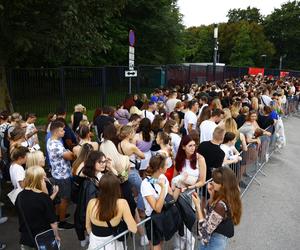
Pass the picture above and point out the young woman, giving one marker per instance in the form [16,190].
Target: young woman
[77,116]
[122,115]
[127,147]
[37,208]
[144,139]
[189,165]
[84,134]
[105,213]
[231,126]
[171,128]
[223,210]
[154,189]
[37,158]
[164,141]
[94,167]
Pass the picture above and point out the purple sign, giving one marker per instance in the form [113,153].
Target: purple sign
[131,38]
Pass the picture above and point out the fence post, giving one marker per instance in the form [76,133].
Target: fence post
[103,92]
[166,75]
[206,74]
[62,87]
[189,79]
[138,80]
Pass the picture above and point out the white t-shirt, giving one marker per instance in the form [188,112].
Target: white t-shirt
[201,109]
[33,139]
[190,118]
[266,100]
[17,173]
[207,128]
[148,190]
[148,114]
[229,154]
[170,105]
[175,140]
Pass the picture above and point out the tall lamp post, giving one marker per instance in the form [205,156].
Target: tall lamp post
[280,61]
[265,61]
[215,50]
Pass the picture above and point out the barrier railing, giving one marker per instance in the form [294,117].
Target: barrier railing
[246,170]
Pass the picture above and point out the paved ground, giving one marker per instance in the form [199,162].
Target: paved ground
[270,219]
[271,211]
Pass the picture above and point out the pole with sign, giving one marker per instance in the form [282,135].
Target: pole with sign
[131,72]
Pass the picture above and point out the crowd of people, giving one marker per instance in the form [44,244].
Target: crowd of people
[124,164]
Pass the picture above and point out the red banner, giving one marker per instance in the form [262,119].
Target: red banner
[256,71]
[284,73]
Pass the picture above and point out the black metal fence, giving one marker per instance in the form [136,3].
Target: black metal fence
[43,90]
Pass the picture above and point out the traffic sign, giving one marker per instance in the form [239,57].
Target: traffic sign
[131,38]
[130,73]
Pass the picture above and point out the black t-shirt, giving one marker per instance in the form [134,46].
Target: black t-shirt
[240,120]
[102,121]
[264,121]
[39,213]
[213,156]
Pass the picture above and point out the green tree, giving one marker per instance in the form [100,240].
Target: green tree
[243,50]
[198,43]
[249,15]
[283,29]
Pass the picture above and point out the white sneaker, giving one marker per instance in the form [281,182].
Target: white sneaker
[83,243]
[144,240]
[3,220]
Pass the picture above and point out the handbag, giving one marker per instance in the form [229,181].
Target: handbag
[122,227]
[44,240]
[14,194]
[168,220]
[184,204]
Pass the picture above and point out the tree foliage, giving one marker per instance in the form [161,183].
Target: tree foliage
[249,14]
[283,29]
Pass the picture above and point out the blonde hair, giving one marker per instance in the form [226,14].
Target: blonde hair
[231,126]
[33,177]
[126,131]
[35,158]
[254,103]
[235,109]
[216,104]
[227,113]
[79,108]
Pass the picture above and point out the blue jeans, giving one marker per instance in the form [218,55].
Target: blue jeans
[135,180]
[217,242]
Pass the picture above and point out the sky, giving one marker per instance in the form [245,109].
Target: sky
[197,12]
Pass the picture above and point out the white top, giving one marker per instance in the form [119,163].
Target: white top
[201,109]
[188,169]
[17,173]
[266,100]
[228,150]
[190,118]
[207,128]
[148,190]
[148,114]
[175,140]
[33,139]
[170,104]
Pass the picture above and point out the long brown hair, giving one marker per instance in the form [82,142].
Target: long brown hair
[109,194]
[229,192]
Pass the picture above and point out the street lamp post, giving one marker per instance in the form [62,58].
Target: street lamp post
[280,61]
[215,50]
[265,61]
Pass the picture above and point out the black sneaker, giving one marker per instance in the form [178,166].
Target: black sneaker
[65,225]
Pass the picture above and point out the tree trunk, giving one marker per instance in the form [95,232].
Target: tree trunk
[5,100]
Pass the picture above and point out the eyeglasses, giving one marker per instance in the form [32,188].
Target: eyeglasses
[102,162]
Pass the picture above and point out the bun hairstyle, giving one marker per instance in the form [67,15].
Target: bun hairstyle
[156,162]
[125,131]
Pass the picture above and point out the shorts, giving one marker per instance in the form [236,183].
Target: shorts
[64,186]
[157,237]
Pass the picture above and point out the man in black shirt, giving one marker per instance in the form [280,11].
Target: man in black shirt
[104,120]
[211,151]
